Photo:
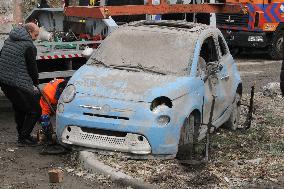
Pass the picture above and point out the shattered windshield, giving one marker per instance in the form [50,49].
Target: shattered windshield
[159,51]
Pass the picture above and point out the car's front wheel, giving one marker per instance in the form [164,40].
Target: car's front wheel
[234,118]
[188,137]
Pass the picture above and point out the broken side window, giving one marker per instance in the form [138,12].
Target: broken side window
[208,50]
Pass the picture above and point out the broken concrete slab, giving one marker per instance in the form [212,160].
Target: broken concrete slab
[91,163]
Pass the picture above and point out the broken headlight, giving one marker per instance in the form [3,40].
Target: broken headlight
[161,101]
[69,94]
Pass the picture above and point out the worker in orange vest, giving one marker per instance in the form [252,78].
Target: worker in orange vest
[51,93]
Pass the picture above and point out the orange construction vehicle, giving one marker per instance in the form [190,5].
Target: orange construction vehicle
[245,24]
[261,27]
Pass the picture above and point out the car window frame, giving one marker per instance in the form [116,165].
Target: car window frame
[219,45]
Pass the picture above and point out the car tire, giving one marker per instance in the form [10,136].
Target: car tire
[275,49]
[188,137]
[234,118]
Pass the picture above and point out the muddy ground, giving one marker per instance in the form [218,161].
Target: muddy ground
[24,167]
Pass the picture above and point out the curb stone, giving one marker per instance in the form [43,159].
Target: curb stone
[90,162]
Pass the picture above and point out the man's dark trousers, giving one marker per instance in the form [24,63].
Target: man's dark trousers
[26,107]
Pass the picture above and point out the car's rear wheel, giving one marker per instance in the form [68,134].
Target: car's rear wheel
[188,137]
[234,118]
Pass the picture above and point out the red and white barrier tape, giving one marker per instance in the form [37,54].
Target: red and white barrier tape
[48,57]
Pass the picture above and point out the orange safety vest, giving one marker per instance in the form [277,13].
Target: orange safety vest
[49,91]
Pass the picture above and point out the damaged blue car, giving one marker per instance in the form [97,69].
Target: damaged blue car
[148,90]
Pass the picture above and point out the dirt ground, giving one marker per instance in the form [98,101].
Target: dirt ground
[24,167]
[252,158]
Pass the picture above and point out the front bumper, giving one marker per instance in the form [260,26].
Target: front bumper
[240,38]
[117,128]
[94,138]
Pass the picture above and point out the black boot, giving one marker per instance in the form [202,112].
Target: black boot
[27,141]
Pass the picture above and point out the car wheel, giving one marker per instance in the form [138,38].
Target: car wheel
[234,118]
[188,137]
[275,50]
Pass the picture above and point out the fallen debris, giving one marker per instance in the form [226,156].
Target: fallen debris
[272,89]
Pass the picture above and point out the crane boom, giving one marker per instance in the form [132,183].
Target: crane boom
[101,12]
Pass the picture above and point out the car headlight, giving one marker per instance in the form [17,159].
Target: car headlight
[163,120]
[69,94]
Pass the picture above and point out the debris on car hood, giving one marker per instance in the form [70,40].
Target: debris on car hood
[134,86]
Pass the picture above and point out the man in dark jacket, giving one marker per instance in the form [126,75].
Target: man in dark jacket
[18,75]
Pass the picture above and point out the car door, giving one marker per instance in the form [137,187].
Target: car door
[226,74]
[212,83]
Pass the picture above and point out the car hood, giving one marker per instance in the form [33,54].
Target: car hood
[128,85]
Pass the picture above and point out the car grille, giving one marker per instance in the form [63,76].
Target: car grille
[232,19]
[106,140]
[106,116]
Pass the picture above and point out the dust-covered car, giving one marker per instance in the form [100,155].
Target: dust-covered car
[149,87]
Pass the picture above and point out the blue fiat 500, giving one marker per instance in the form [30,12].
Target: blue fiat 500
[149,87]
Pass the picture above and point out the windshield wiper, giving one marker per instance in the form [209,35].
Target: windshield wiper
[97,62]
[124,67]
[145,69]
[139,67]
[129,67]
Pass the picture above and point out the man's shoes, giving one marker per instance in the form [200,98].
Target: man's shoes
[27,141]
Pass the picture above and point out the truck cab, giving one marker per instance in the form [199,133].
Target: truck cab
[260,27]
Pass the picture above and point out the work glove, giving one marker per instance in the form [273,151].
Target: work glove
[44,121]
[46,126]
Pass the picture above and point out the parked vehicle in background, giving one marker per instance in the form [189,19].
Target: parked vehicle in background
[62,54]
[261,27]
[148,87]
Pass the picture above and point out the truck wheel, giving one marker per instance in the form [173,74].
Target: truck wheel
[234,118]
[234,51]
[188,137]
[275,50]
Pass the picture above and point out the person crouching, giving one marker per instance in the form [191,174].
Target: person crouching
[48,102]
